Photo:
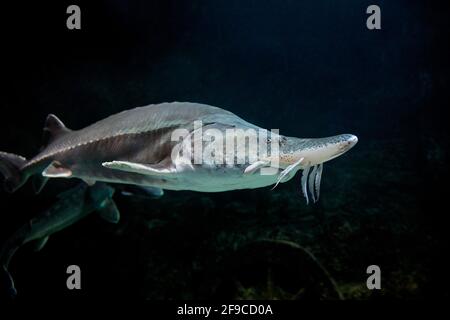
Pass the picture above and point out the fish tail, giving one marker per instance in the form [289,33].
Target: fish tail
[8,290]
[11,168]
[7,283]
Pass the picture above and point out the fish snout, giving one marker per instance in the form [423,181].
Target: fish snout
[332,147]
[318,150]
[347,142]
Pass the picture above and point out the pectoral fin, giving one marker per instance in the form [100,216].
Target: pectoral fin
[109,212]
[255,166]
[288,173]
[158,169]
[57,170]
[39,244]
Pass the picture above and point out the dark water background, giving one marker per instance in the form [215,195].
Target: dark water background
[310,68]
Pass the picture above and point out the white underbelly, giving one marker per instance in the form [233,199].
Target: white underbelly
[199,178]
[220,179]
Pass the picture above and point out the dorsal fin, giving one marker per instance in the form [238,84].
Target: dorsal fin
[53,129]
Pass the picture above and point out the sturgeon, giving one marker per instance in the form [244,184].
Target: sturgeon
[137,147]
[71,206]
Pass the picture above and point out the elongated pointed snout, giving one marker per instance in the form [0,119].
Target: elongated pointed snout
[318,150]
